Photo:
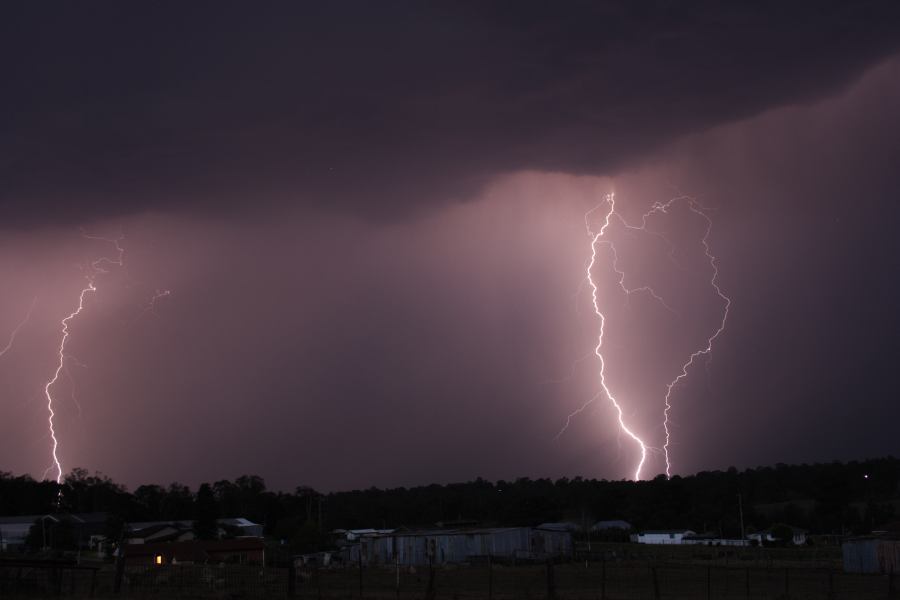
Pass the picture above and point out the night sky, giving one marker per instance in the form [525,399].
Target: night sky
[370,217]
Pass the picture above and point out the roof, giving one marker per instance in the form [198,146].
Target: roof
[667,532]
[238,522]
[93,518]
[235,521]
[445,532]
[796,530]
[558,527]
[20,520]
[614,524]
[150,530]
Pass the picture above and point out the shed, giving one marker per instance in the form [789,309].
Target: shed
[871,555]
[442,546]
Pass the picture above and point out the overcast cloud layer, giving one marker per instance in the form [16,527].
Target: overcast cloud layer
[371,223]
[384,107]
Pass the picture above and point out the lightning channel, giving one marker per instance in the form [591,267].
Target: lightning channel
[599,238]
[18,328]
[96,268]
[698,209]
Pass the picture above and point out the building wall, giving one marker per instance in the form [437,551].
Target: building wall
[660,538]
[871,556]
[443,547]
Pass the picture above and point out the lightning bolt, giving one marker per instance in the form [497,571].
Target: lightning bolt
[706,350]
[96,268]
[91,288]
[151,304]
[18,328]
[598,239]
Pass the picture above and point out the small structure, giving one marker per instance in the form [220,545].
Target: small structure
[662,536]
[246,550]
[241,527]
[767,536]
[84,528]
[14,530]
[712,540]
[615,524]
[442,546]
[872,554]
[564,526]
[160,532]
[146,532]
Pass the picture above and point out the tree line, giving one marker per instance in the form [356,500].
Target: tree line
[829,498]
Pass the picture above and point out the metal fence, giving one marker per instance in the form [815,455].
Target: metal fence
[43,578]
[602,580]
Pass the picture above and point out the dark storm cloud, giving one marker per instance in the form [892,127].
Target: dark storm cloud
[112,108]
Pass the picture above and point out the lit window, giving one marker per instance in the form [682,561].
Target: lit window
[159,559]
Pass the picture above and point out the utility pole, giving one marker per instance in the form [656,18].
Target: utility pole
[741,512]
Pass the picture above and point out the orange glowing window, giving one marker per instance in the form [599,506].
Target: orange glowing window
[159,559]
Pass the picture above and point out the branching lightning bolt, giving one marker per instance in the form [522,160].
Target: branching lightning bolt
[97,267]
[706,350]
[598,239]
[91,288]
[18,328]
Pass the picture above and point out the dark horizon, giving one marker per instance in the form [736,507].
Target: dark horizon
[834,499]
[354,248]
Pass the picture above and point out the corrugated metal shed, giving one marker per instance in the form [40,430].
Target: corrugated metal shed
[443,546]
[871,555]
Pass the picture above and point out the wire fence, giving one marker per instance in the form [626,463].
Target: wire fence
[602,580]
[605,580]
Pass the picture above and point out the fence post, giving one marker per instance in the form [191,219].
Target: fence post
[787,586]
[120,571]
[603,578]
[93,582]
[360,571]
[551,583]
[397,566]
[490,576]
[891,590]
[655,583]
[430,591]
[292,578]
[708,583]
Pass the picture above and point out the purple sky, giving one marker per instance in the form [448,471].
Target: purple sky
[371,221]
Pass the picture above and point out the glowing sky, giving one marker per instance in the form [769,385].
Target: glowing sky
[370,217]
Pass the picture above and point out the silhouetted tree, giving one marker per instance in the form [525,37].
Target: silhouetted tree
[205,514]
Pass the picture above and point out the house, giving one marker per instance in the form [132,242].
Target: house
[84,527]
[181,531]
[662,536]
[241,527]
[767,536]
[160,532]
[246,550]
[712,540]
[352,535]
[14,530]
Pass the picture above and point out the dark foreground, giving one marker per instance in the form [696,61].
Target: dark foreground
[610,580]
